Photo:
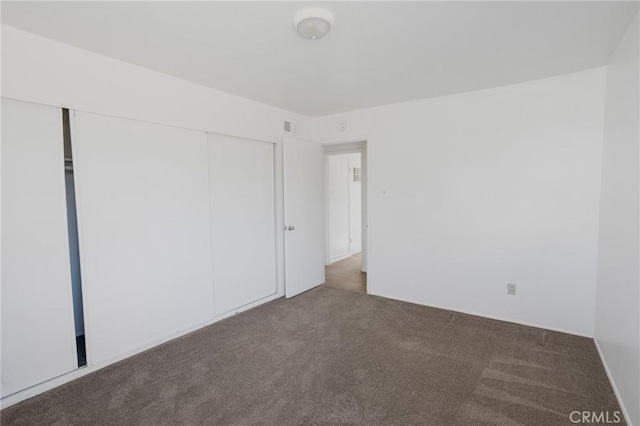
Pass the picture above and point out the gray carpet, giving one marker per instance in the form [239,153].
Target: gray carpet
[331,356]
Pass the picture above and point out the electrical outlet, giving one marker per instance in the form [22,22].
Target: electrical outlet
[511,289]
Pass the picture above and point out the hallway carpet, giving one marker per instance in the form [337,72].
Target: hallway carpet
[346,274]
[330,356]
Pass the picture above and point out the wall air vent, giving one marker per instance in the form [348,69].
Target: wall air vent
[289,127]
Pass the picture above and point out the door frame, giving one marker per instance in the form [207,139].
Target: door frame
[341,148]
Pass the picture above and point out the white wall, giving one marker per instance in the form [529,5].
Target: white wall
[617,328]
[470,192]
[338,199]
[41,70]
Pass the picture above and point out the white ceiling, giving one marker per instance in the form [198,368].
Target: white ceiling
[377,52]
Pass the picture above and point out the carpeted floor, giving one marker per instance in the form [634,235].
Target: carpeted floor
[332,356]
[346,274]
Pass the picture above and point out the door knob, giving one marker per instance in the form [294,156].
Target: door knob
[289,228]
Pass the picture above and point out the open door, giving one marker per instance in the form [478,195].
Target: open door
[303,215]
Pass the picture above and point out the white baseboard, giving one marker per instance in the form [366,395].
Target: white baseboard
[83,371]
[339,258]
[247,307]
[343,257]
[625,413]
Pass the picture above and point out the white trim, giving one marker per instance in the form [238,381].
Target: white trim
[278,199]
[354,141]
[364,233]
[625,413]
[341,257]
[207,146]
[327,214]
[248,306]
[60,380]
[329,151]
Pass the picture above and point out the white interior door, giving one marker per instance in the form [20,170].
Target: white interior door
[241,185]
[38,336]
[145,232]
[303,215]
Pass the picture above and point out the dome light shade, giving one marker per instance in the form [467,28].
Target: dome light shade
[313,23]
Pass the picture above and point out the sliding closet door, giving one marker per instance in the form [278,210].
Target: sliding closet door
[38,336]
[241,181]
[143,202]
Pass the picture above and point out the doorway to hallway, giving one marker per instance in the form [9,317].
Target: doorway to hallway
[346,274]
[346,224]
[344,180]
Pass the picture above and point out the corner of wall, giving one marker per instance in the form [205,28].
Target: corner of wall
[617,305]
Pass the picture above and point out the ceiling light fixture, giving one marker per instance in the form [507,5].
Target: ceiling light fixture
[313,23]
